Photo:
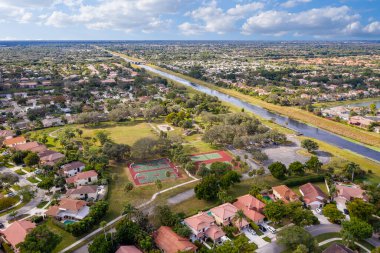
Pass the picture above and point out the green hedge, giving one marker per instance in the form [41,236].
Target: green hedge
[303,180]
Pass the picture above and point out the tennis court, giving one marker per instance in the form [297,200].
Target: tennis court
[149,171]
[211,157]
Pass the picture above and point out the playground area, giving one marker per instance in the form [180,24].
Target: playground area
[149,171]
[211,157]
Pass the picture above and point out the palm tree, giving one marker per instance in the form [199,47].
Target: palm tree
[352,168]
[129,210]
[239,216]
[13,214]
[103,225]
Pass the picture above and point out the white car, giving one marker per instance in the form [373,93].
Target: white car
[318,210]
[271,229]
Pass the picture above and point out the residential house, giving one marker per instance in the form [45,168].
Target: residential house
[83,192]
[6,134]
[252,207]
[16,232]
[69,209]
[32,146]
[225,215]
[128,249]
[73,168]
[313,196]
[11,142]
[346,193]
[49,122]
[50,157]
[83,178]
[169,242]
[200,223]
[337,248]
[360,121]
[282,192]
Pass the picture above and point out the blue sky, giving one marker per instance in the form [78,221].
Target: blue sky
[189,19]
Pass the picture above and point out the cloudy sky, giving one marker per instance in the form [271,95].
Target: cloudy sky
[189,19]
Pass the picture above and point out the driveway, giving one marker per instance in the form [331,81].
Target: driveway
[272,247]
[322,219]
[323,229]
[255,238]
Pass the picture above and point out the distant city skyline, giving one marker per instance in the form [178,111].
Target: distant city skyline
[189,20]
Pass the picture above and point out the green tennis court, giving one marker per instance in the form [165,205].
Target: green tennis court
[151,165]
[151,176]
[205,157]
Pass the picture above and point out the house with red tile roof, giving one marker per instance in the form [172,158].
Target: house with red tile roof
[32,146]
[11,142]
[313,196]
[16,232]
[284,193]
[225,215]
[50,157]
[199,223]
[169,242]
[251,206]
[128,249]
[350,192]
[69,209]
[83,178]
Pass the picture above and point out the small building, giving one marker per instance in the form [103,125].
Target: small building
[284,193]
[69,209]
[169,242]
[83,192]
[16,232]
[313,196]
[128,249]
[83,178]
[252,207]
[73,168]
[11,142]
[337,248]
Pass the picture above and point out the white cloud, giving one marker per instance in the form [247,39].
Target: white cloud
[315,22]
[293,3]
[373,28]
[211,18]
[11,13]
[121,15]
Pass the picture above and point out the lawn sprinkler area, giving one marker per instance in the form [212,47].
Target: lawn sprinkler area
[211,157]
[149,171]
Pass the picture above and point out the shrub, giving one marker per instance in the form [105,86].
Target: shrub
[303,180]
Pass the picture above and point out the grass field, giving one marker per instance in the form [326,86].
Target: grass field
[67,238]
[362,136]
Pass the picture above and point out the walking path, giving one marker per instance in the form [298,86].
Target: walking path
[339,239]
[109,224]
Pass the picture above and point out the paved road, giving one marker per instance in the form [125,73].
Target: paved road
[181,197]
[323,229]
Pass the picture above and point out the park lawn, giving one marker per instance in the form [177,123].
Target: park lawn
[117,197]
[124,132]
[360,135]
[194,144]
[67,238]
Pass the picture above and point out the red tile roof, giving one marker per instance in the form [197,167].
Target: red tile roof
[17,231]
[128,249]
[67,204]
[224,211]
[286,194]
[348,192]
[199,221]
[170,242]
[312,193]
[251,207]
[31,146]
[15,140]
[73,165]
[82,175]
[214,232]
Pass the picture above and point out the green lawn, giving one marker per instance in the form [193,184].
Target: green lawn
[324,237]
[20,172]
[33,180]
[42,204]
[67,238]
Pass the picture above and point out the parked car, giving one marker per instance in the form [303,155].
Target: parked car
[346,211]
[1,225]
[318,210]
[262,228]
[251,230]
[11,194]
[271,229]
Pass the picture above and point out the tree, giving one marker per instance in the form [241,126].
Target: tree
[144,148]
[31,159]
[40,239]
[116,151]
[102,244]
[296,168]
[158,184]
[18,156]
[300,216]
[128,187]
[239,245]
[102,136]
[129,210]
[309,145]
[47,183]
[278,170]
[301,249]
[103,225]
[360,209]
[255,190]
[373,109]
[224,196]
[207,189]
[355,229]
[293,236]
[353,169]
[239,217]
[332,213]
[275,211]
[163,216]
[313,164]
